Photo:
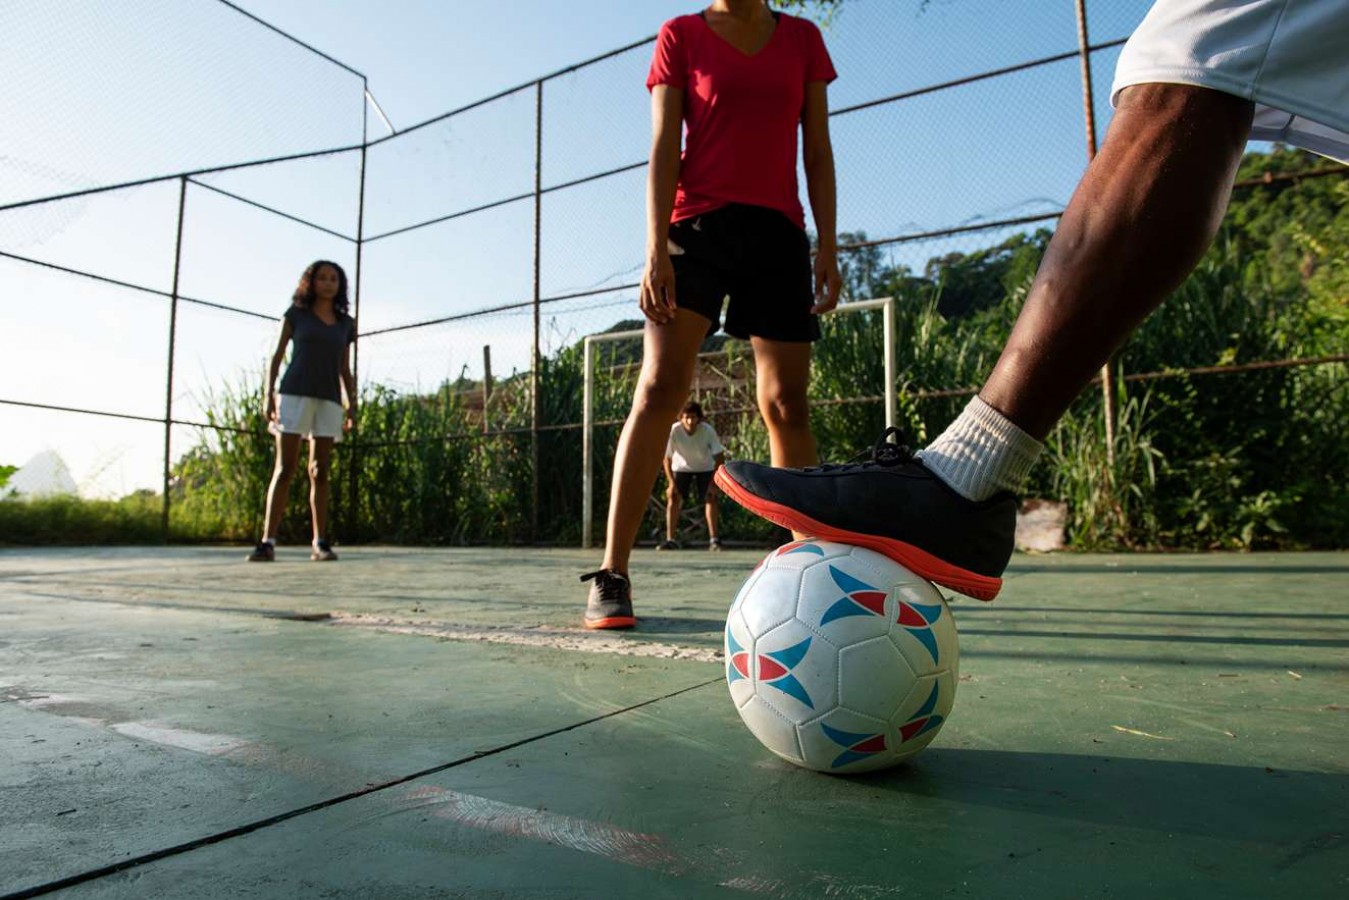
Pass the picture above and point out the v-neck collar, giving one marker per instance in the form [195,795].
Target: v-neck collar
[777,26]
[336,318]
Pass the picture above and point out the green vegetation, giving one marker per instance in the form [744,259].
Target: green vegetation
[1236,460]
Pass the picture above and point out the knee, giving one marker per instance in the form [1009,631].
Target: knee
[318,473]
[785,411]
[660,394]
[284,471]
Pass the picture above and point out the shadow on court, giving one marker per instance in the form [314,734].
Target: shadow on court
[434,723]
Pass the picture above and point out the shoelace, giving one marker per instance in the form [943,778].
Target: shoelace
[611,584]
[882,453]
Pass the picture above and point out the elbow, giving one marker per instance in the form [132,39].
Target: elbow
[818,164]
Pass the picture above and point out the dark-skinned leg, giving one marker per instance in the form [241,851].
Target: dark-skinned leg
[1141,218]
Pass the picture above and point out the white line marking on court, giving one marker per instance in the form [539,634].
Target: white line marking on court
[168,736]
[535,636]
[569,832]
[151,732]
[620,845]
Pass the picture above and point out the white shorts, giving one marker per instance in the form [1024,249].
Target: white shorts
[1290,56]
[309,417]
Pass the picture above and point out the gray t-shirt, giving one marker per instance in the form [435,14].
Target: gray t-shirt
[315,368]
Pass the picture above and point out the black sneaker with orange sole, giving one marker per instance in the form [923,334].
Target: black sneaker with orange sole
[892,504]
[610,602]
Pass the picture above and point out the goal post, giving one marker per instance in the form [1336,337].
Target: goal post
[885,304]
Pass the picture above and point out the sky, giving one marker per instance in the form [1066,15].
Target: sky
[110,92]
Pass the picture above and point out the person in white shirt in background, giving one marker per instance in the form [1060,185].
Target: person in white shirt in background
[692,456]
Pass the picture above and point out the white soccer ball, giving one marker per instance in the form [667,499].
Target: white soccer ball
[839,659]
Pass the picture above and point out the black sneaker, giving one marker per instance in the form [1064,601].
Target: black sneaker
[610,603]
[668,545]
[891,504]
[714,545]
[323,552]
[263,552]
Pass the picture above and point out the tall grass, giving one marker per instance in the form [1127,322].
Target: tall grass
[1259,459]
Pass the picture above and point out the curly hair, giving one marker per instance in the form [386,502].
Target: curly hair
[304,291]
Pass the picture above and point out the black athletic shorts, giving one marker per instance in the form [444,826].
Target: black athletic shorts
[700,482]
[756,256]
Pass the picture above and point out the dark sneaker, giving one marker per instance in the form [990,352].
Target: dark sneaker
[714,545]
[263,552]
[668,545]
[323,552]
[891,504]
[610,603]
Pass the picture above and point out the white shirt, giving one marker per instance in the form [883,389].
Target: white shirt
[695,452]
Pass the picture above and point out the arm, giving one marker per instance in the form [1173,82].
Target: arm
[669,466]
[269,409]
[658,286]
[349,384]
[718,456]
[818,158]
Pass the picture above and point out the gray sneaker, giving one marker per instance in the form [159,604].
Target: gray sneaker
[610,601]
[323,552]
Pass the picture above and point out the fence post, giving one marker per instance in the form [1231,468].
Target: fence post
[173,336]
[536,403]
[351,508]
[486,385]
[1108,385]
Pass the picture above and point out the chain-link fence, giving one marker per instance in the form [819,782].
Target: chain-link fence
[483,246]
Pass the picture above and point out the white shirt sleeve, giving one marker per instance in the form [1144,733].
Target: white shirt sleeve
[669,443]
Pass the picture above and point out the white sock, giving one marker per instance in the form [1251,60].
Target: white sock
[981,453]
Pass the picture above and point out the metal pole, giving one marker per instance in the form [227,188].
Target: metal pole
[588,427]
[536,413]
[351,507]
[888,323]
[486,385]
[587,447]
[1108,382]
[173,336]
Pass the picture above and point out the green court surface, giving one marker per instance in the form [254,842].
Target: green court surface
[434,723]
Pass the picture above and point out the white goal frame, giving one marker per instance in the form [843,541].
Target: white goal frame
[885,304]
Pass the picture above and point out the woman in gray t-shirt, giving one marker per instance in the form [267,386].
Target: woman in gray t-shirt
[310,399]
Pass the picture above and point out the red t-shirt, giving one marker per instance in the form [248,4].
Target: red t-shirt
[741,113]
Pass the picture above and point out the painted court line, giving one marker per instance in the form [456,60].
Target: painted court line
[532,636]
[258,753]
[603,839]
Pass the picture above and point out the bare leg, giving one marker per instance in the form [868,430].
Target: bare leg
[287,458]
[320,464]
[782,374]
[669,353]
[673,502]
[711,512]
[1138,223]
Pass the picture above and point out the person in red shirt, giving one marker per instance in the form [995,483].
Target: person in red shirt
[724,220]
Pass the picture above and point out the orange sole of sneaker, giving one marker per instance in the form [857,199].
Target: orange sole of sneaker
[980,587]
[612,622]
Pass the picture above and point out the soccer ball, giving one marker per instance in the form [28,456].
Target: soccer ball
[839,659]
